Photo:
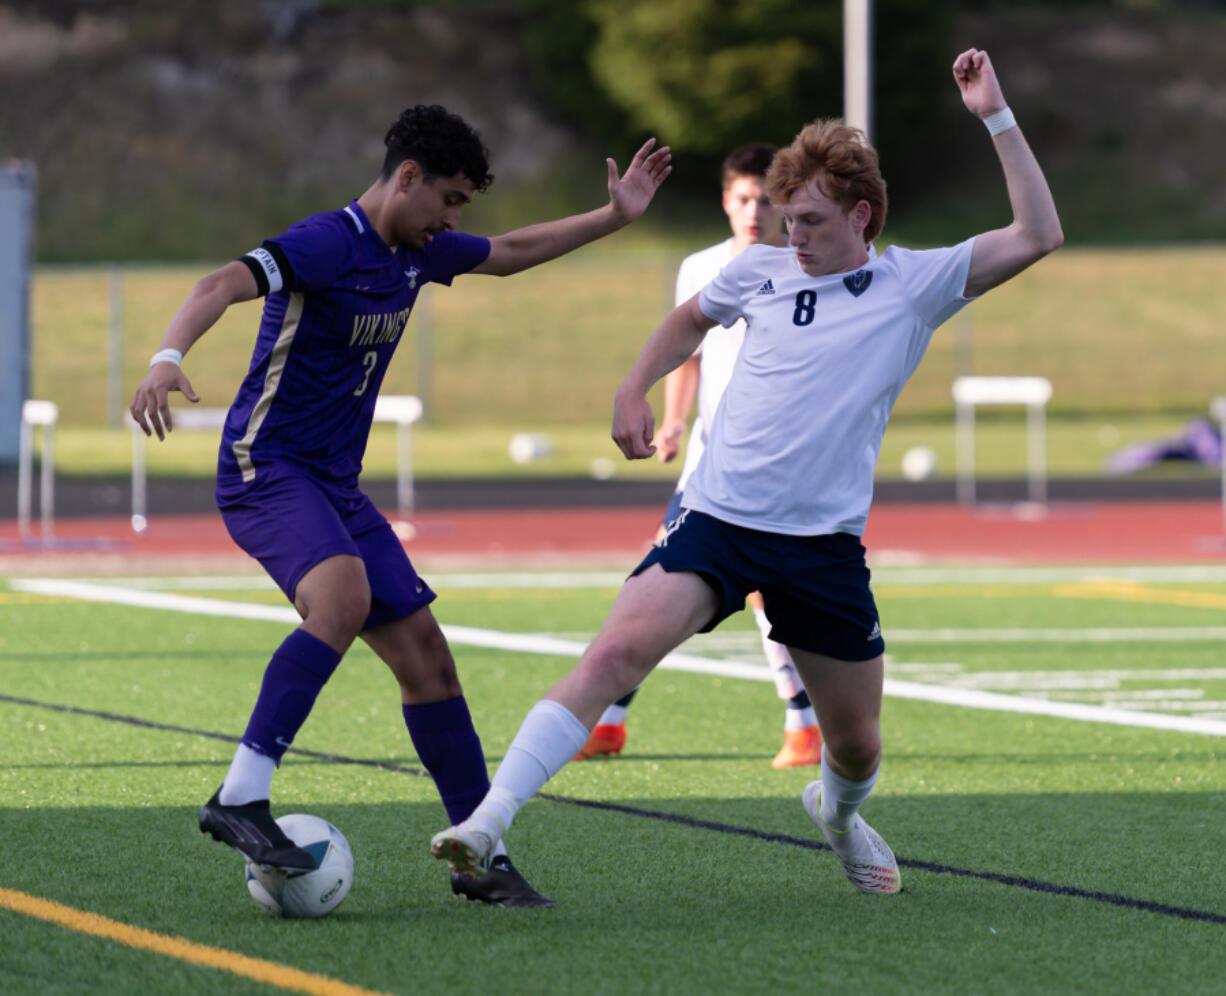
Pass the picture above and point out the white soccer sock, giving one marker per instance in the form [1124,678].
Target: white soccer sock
[614,715]
[249,778]
[550,736]
[841,798]
[799,719]
[787,681]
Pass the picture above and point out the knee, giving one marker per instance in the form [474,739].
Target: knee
[615,664]
[437,664]
[351,608]
[854,753]
[424,667]
[340,616]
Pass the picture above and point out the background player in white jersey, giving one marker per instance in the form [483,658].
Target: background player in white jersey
[832,337]
[754,221]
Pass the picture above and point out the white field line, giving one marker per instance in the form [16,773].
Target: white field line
[438,581]
[1070,679]
[529,643]
[1092,634]
[882,577]
[736,640]
[1171,573]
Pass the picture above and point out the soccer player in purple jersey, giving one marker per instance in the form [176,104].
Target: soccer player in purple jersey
[339,288]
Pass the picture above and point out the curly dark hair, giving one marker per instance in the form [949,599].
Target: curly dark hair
[443,143]
[748,160]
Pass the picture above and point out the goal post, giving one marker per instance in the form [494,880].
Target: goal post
[858,65]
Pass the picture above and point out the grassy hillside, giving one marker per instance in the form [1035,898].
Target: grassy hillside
[1116,331]
[193,130]
[1127,337]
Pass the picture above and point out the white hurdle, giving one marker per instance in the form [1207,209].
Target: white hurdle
[403,409]
[43,414]
[1033,393]
[182,418]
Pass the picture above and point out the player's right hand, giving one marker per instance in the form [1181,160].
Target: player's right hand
[150,406]
[634,424]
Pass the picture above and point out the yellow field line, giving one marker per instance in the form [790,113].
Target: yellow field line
[268,972]
[21,598]
[1005,590]
[1130,591]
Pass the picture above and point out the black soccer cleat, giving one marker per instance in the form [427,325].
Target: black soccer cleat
[251,830]
[502,885]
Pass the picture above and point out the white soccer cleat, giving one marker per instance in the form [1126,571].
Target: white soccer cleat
[466,849]
[867,860]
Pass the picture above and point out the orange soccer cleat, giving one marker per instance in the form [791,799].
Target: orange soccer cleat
[799,747]
[606,738]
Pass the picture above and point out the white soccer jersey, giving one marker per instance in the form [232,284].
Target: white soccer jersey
[793,446]
[717,353]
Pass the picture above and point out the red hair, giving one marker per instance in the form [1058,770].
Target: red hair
[842,163]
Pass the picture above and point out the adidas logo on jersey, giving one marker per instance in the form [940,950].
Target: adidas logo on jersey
[767,288]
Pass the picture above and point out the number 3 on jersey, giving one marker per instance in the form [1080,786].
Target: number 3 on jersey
[805,302]
[369,361]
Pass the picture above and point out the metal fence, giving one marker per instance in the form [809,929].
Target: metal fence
[1113,330]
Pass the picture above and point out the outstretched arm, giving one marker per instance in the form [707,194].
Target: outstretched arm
[629,196]
[1035,230]
[669,346]
[204,306]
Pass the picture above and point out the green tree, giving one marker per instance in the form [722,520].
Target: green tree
[708,74]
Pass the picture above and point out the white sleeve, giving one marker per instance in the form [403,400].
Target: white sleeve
[689,281]
[721,300]
[935,280]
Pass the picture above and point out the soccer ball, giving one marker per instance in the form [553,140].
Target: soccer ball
[311,894]
[919,463]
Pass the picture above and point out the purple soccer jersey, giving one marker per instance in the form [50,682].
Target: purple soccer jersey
[338,301]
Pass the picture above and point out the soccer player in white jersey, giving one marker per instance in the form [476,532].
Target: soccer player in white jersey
[781,497]
[754,221]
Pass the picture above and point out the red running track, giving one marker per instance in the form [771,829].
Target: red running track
[1091,532]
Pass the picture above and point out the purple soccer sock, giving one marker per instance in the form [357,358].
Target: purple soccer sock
[444,738]
[292,681]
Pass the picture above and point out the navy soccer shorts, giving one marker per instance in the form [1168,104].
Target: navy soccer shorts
[673,510]
[289,522]
[816,588]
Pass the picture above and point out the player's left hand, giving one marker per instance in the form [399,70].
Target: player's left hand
[634,424]
[150,406]
[976,79]
[629,195]
[668,440]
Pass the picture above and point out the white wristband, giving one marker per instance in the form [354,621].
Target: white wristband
[1000,121]
[166,356]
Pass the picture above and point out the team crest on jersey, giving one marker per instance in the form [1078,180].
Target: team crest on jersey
[858,282]
[412,273]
